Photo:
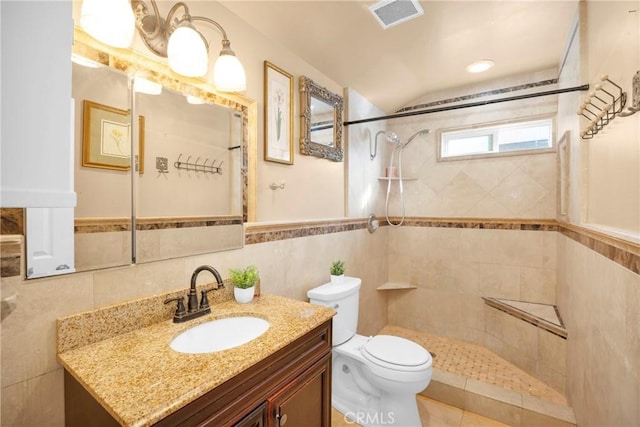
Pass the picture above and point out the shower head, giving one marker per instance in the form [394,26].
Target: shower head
[420,132]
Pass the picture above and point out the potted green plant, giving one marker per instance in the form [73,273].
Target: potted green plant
[337,271]
[244,282]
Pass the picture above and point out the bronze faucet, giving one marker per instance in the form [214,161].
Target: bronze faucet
[193,308]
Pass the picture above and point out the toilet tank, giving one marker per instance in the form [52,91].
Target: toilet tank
[343,298]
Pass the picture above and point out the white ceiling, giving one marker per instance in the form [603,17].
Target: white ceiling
[392,67]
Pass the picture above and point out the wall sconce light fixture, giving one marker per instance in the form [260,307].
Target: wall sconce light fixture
[174,37]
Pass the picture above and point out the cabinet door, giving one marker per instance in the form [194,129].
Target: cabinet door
[306,401]
[36,140]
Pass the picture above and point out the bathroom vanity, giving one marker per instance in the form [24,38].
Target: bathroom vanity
[283,377]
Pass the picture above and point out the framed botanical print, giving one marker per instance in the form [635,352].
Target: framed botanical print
[278,114]
[106,137]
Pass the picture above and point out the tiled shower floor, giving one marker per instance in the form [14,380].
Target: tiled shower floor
[477,362]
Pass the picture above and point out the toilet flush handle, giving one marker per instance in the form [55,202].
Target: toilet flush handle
[335,306]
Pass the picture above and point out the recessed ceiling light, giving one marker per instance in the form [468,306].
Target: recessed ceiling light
[480,66]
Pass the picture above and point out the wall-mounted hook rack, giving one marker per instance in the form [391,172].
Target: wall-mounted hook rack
[197,166]
[603,104]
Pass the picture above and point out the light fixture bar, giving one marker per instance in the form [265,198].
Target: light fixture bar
[177,39]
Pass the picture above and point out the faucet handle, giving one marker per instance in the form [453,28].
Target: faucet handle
[204,301]
[180,310]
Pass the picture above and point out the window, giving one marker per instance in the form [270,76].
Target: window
[523,136]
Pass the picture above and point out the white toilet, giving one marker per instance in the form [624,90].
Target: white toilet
[375,379]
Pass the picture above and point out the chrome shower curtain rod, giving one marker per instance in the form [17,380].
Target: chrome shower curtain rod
[471,104]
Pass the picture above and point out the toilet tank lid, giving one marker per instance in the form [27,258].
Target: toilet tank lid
[330,291]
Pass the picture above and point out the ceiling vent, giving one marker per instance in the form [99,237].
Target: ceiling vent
[393,12]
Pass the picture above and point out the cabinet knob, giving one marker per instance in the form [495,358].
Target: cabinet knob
[282,419]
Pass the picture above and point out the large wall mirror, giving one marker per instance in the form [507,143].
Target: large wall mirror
[188,191]
[321,121]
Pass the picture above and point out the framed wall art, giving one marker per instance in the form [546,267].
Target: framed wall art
[106,136]
[278,114]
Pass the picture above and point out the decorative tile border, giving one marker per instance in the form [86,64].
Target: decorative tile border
[479,95]
[104,225]
[619,251]
[101,225]
[622,252]
[165,223]
[11,221]
[479,223]
[10,254]
[272,232]
[528,317]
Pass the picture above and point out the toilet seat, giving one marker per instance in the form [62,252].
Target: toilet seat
[395,353]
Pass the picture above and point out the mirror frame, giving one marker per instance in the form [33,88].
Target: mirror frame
[310,89]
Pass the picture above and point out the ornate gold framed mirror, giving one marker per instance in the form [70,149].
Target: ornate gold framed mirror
[321,121]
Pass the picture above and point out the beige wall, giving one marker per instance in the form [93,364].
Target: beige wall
[613,186]
[600,304]
[604,173]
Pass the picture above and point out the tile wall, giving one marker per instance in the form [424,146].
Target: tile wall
[451,266]
[499,187]
[599,300]
[454,267]
[532,349]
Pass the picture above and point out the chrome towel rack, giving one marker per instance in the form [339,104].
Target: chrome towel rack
[605,103]
[198,167]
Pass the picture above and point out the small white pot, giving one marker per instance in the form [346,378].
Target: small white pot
[244,296]
[336,280]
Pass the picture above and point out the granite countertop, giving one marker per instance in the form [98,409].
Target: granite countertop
[139,379]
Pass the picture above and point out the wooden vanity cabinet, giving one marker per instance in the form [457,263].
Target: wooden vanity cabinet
[303,402]
[290,388]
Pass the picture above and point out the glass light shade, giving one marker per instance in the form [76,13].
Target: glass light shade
[142,85]
[187,52]
[191,99]
[110,21]
[228,74]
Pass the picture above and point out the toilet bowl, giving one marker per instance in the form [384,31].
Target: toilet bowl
[374,379]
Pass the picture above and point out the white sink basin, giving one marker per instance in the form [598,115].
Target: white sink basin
[220,334]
